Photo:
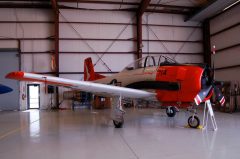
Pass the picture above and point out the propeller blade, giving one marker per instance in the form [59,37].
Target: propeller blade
[219,95]
[202,95]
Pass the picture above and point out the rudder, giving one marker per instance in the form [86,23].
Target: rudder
[89,73]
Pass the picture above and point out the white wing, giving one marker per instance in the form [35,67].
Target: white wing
[86,86]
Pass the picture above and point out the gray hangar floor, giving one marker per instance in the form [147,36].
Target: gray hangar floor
[86,134]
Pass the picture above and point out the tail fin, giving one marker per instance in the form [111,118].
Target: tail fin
[89,74]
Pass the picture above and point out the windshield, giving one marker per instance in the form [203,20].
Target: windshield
[150,61]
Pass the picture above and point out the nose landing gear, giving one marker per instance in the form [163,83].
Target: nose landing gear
[193,121]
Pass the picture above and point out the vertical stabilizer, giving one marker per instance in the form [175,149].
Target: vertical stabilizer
[89,74]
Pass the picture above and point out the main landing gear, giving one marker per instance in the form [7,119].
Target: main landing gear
[171,111]
[118,112]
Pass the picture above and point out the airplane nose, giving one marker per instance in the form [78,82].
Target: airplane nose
[5,89]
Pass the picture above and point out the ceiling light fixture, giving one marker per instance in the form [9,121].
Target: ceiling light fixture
[231,5]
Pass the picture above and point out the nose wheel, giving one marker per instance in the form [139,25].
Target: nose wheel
[171,111]
[193,121]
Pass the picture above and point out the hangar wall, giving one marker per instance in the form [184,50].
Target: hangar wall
[225,30]
[110,35]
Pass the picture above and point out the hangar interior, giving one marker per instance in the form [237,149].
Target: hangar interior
[54,37]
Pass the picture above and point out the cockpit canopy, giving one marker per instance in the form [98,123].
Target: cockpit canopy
[150,61]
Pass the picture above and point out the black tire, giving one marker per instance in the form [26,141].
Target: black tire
[171,112]
[118,124]
[193,122]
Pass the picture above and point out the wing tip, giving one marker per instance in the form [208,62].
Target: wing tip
[15,75]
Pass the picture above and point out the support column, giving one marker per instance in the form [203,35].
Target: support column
[56,45]
[206,42]
[139,37]
[143,6]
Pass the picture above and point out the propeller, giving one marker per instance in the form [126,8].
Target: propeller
[219,95]
[210,84]
[200,97]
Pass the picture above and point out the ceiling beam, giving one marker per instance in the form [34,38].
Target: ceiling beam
[130,10]
[212,8]
[143,6]
[32,1]
[46,5]
[128,3]
[55,6]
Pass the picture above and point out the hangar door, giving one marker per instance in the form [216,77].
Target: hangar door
[9,61]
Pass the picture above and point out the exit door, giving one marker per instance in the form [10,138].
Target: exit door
[33,96]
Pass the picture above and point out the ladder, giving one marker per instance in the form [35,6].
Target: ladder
[208,112]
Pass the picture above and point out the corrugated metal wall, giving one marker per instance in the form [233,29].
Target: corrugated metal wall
[225,31]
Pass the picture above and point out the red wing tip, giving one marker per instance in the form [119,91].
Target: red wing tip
[15,75]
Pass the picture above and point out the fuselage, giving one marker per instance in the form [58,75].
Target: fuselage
[173,84]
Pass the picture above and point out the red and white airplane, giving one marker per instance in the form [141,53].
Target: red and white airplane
[150,78]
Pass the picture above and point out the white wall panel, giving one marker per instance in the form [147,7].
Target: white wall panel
[228,57]
[230,37]
[25,14]
[96,31]
[167,19]
[172,33]
[9,44]
[97,46]
[36,45]
[225,20]
[27,30]
[227,38]
[228,74]
[75,62]
[172,47]
[36,62]
[8,30]
[99,16]
[180,58]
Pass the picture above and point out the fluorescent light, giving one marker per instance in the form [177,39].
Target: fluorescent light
[231,5]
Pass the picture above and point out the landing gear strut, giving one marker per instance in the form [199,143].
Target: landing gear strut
[171,111]
[118,112]
[193,121]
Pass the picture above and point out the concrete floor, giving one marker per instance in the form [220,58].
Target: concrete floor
[85,134]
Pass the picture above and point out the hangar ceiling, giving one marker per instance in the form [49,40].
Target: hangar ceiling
[197,10]
[165,6]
